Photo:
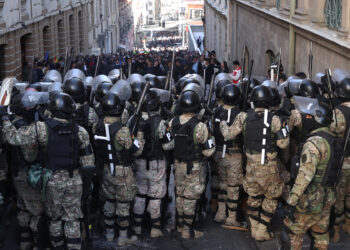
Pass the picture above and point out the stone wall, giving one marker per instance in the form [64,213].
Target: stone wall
[264,29]
[40,27]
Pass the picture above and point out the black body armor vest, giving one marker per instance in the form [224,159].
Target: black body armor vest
[328,174]
[185,149]
[62,152]
[153,147]
[120,157]
[253,134]
[218,117]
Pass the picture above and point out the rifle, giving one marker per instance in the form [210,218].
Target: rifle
[329,87]
[243,64]
[172,71]
[246,88]
[278,68]
[137,114]
[311,58]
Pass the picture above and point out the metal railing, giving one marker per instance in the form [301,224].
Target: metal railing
[333,13]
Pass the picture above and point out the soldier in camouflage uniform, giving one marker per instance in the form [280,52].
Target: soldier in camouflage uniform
[228,158]
[312,195]
[215,177]
[191,143]
[340,126]
[118,185]
[64,189]
[262,181]
[150,167]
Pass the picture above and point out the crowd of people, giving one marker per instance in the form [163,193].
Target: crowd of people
[77,152]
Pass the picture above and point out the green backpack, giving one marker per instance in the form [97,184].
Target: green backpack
[38,178]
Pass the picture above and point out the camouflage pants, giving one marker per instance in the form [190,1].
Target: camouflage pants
[119,191]
[230,178]
[30,206]
[342,205]
[189,188]
[317,223]
[264,186]
[215,179]
[63,206]
[151,183]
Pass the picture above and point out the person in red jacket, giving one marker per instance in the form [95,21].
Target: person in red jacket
[237,71]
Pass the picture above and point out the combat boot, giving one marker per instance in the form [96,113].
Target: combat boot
[263,233]
[231,220]
[123,238]
[254,224]
[346,225]
[156,230]
[109,234]
[220,216]
[186,233]
[336,236]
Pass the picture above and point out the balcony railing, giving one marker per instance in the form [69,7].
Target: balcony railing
[333,13]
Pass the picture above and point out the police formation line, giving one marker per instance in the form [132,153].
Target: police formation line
[77,150]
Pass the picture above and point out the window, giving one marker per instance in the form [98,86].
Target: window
[333,13]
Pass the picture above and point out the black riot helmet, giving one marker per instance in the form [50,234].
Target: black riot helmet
[261,96]
[112,105]
[231,94]
[343,88]
[276,98]
[76,89]
[61,105]
[323,115]
[136,88]
[189,102]
[309,88]
[102,90]
[155,83]
[219,87]
[180,85]
[151,102]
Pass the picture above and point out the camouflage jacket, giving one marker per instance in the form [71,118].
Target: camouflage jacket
[237,127]
[201,134]
[37,134]
[307,195]
[338,126]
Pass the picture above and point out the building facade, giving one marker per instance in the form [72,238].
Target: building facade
[47,28]
[266,26]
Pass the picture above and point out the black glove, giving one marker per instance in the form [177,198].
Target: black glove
[289,212]
[4,114]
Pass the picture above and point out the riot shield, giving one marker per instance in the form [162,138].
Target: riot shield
[222,77]
[100,79]
[52,76]
[164,95]
[123,89]
[88,81]
[305,105]
[270,84]
[340,74]
[21,86]
[55,87]
[294,85]
[74,73]
[196,78]
[136,78]
[33,98]
[114,75]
